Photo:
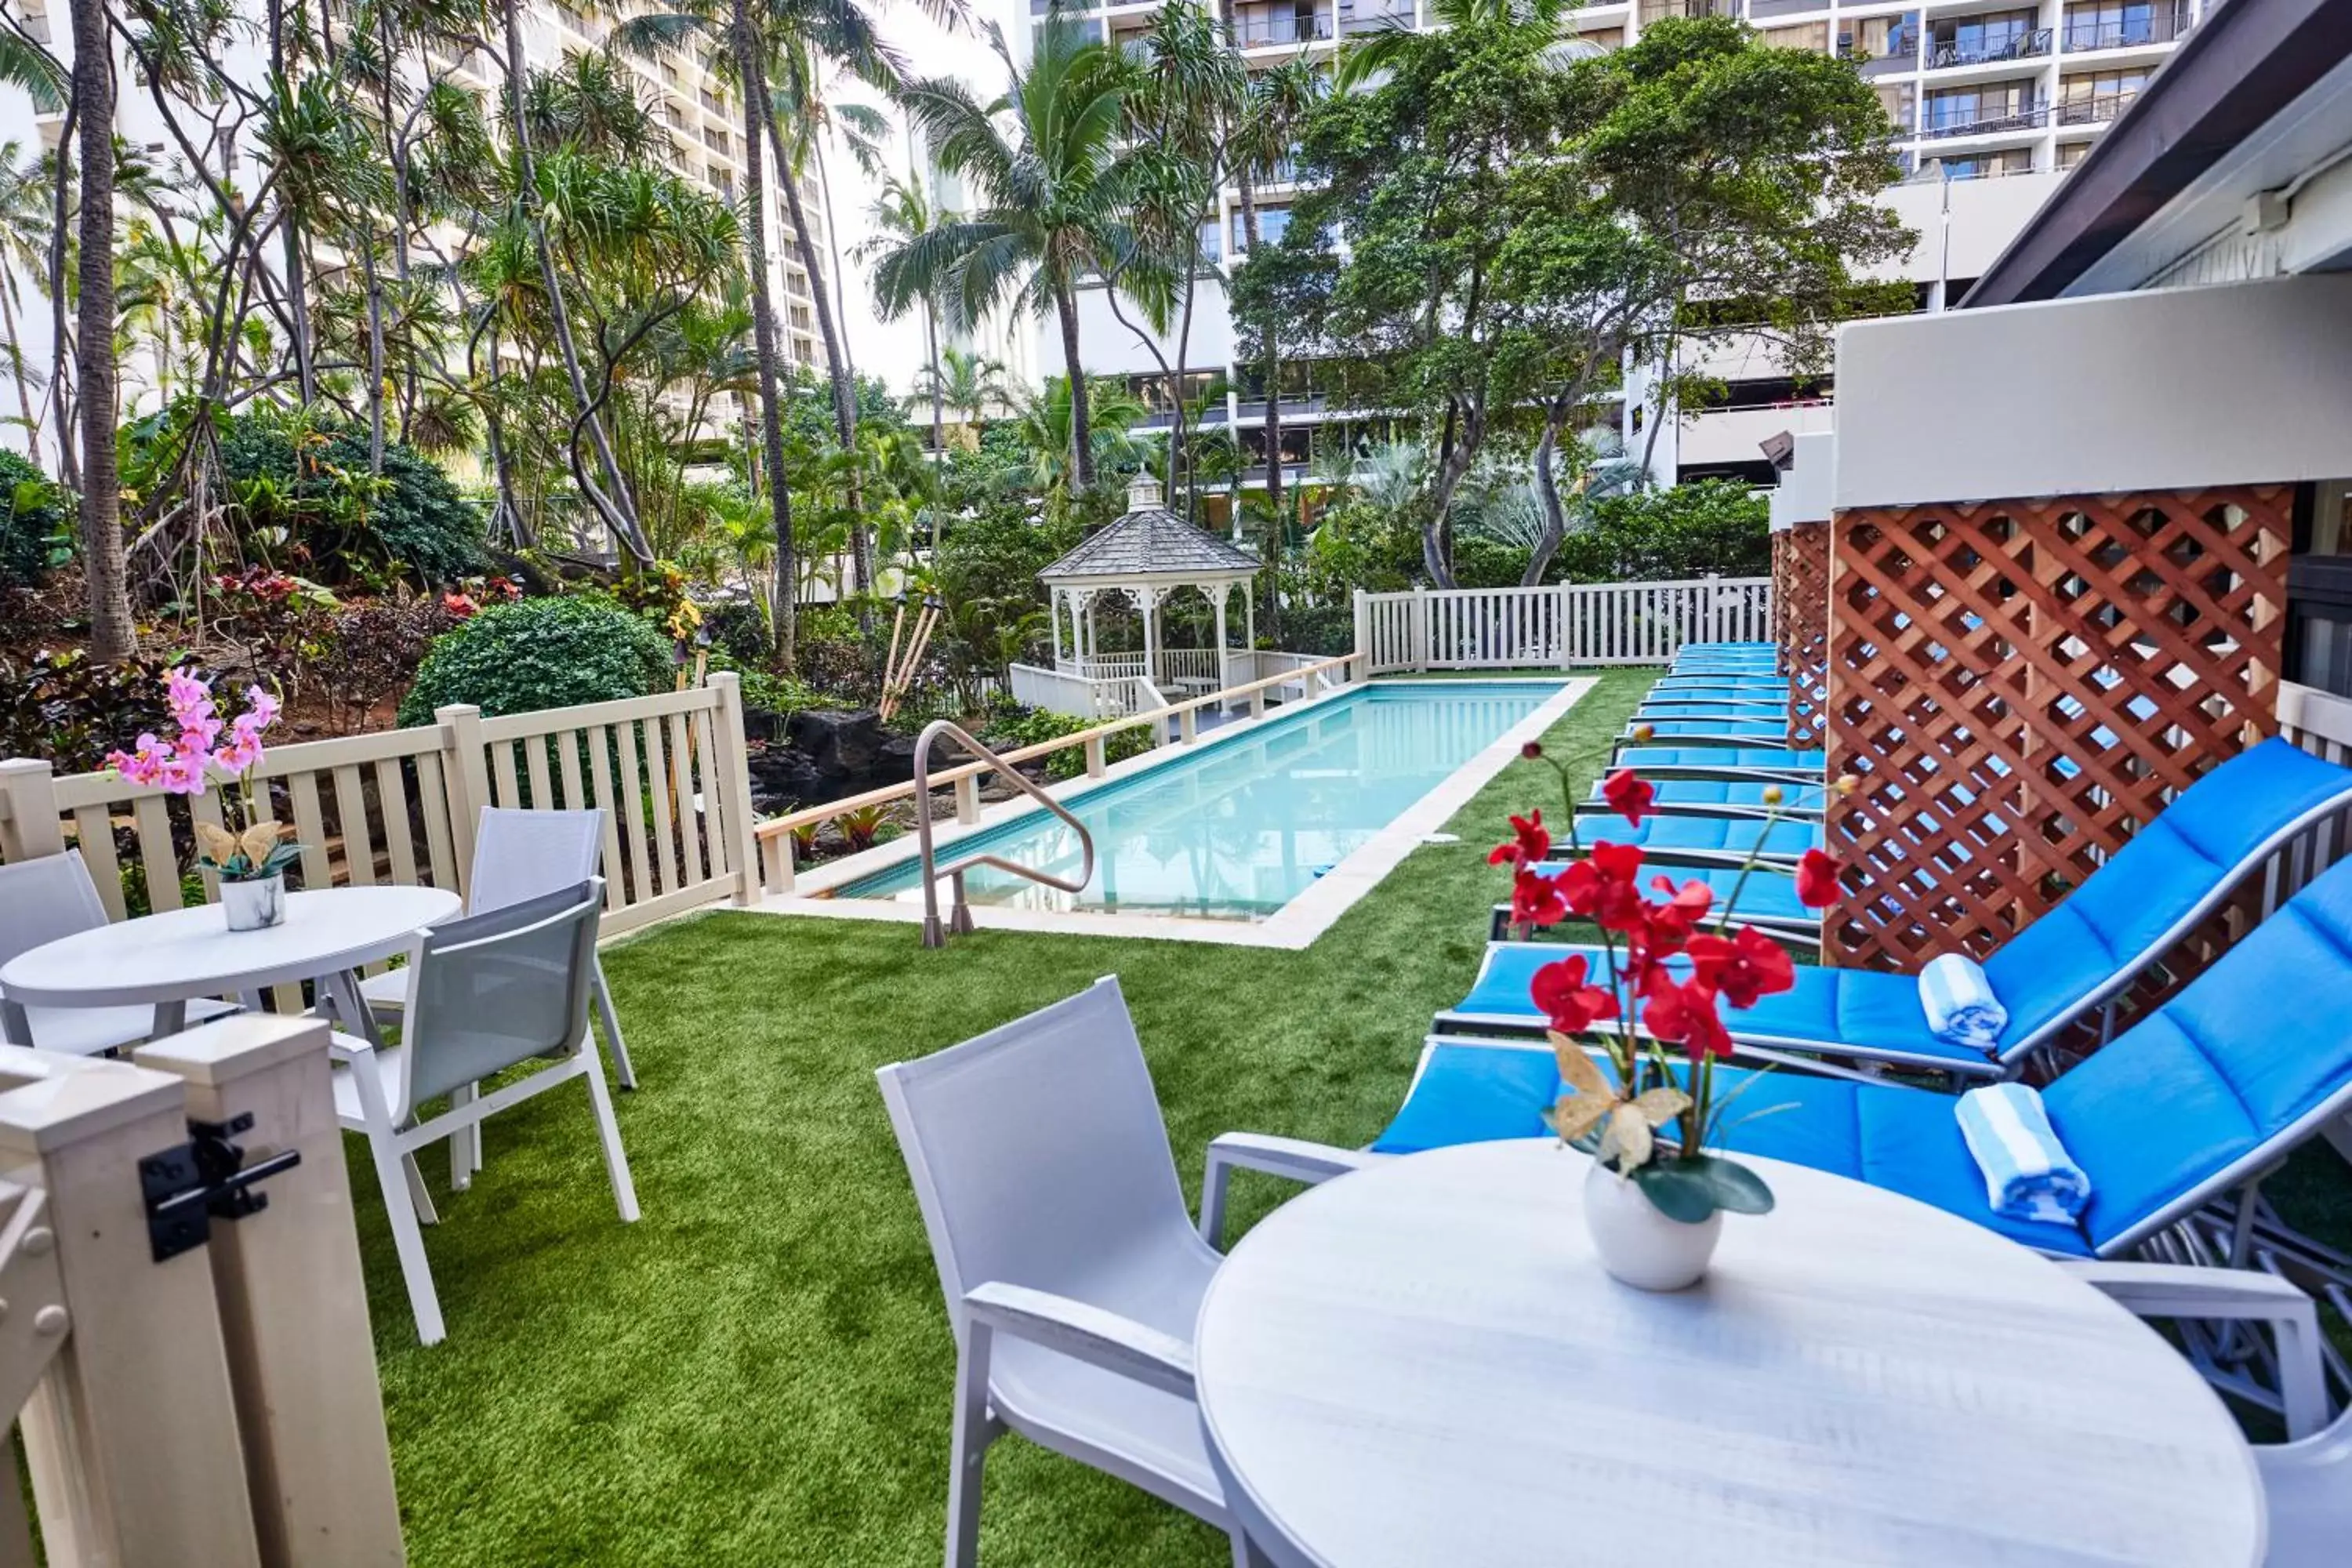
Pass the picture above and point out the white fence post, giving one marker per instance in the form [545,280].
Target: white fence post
[732,766]
[1364,605]
[28,811]
[293,1299]
[467,777]
[1560,603]
[1421,626]
[131,1437]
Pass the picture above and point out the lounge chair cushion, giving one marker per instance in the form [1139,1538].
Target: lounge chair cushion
[1902,1139]
[1703,835]
[1826,1008]
[1738,729]
[1722,759]
[1745,794]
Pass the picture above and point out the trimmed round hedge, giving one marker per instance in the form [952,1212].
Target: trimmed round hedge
[536,653]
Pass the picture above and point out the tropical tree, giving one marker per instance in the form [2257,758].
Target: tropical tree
[113,634]
[1052,184]
[967,381]
[902,214]
[1047,421]
[25,223]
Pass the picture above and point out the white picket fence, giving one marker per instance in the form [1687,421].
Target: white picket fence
[669,772]
[1563,625]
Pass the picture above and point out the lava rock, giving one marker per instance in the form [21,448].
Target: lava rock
[839,744]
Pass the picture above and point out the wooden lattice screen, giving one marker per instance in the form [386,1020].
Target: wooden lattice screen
[1800,592]
[2021,684]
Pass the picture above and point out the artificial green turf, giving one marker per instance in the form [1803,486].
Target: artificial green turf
[758,1371]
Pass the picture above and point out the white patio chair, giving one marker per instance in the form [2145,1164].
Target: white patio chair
[520,854]
[49,896]
[2307,1479]
[486,993]
[1073,1274]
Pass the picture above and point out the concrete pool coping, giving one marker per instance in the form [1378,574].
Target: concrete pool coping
[1294,926]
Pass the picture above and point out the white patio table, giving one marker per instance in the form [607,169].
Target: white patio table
[1422,1365]
[165,959]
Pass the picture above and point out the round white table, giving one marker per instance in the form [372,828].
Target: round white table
[167,959]
[1422,1364]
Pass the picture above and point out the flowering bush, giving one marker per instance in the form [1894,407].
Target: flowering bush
[183,766]
[1666,975]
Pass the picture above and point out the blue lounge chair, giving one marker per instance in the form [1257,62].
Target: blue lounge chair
[1727,797]
[2197,1099]
[1654,707]
[1768,763]
[2170,875]
[1768,901]
[1702,840]
[1687,733]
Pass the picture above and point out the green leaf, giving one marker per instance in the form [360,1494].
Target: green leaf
[1735,1186]
[1676,1190]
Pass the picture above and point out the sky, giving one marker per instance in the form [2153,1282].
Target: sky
[894,350]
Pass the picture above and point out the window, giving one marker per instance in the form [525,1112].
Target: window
[1881,37]
[1985,166]
[1901,100]
[37,21]
[2119,24]
[2001,35]
[2071,152]
[1212,242]
[2096,97]
[1813,35]
[2319,589]
[1271,222]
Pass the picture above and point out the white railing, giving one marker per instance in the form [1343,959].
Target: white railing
[1182,664]
[668,772]
[1105,667]
[1557,626]
[1173,664]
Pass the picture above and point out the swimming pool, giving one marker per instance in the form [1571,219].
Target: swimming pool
[1247,821]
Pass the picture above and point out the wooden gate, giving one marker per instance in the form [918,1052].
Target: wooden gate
[192,1384]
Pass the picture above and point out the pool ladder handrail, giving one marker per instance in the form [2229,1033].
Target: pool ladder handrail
[958,921]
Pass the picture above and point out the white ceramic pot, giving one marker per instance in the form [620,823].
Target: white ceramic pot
[1638,1245]
[256,905]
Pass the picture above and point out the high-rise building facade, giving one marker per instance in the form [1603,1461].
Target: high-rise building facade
[1994,102]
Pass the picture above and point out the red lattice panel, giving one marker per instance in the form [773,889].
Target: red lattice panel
[1800,615]
[2021,684]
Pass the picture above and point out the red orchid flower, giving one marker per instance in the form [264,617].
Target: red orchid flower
[1537,900]
[1742,967]
[1579,884]
[1617,904]
[1559,991]
[1530,842]
[1679,911]
[1684,1013]
[1817,880]
[1629,795]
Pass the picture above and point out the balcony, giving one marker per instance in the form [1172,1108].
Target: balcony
[1355,18]
[1758,10]
[2095,109]
[1270,32]
[1658,10]
[713,101]
[1987,122]
[2082,33]
[1945,54]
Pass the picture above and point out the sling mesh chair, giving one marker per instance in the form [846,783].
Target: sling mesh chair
[485,994]
[1073,1274]
[520,854]
[41,900]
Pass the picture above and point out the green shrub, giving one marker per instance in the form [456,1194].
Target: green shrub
[1032,726]
[541,652]
[312,481]
[35,531]
[1687,530]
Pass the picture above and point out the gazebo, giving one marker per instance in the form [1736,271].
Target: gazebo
[1147,555]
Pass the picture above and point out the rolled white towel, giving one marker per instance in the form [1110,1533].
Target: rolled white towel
[2028,1172]
[1960,1002]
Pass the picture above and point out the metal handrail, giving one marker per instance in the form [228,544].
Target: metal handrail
[958,921]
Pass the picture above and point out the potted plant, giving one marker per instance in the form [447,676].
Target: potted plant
[248,856]
[1659,1186]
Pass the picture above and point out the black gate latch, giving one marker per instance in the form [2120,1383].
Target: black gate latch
[189,1185]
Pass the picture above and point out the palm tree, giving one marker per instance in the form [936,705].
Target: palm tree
[903,214]
[1048,423]
[966,380]
[113,633]
[1045,163]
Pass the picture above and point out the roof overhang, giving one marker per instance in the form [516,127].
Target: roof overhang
[1116,579]
[2245,64]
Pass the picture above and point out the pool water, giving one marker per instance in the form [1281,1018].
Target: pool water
[1247,821]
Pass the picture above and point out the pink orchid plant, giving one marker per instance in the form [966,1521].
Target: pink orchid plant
[206,746]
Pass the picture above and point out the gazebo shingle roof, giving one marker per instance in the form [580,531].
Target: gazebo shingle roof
[1149,540]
